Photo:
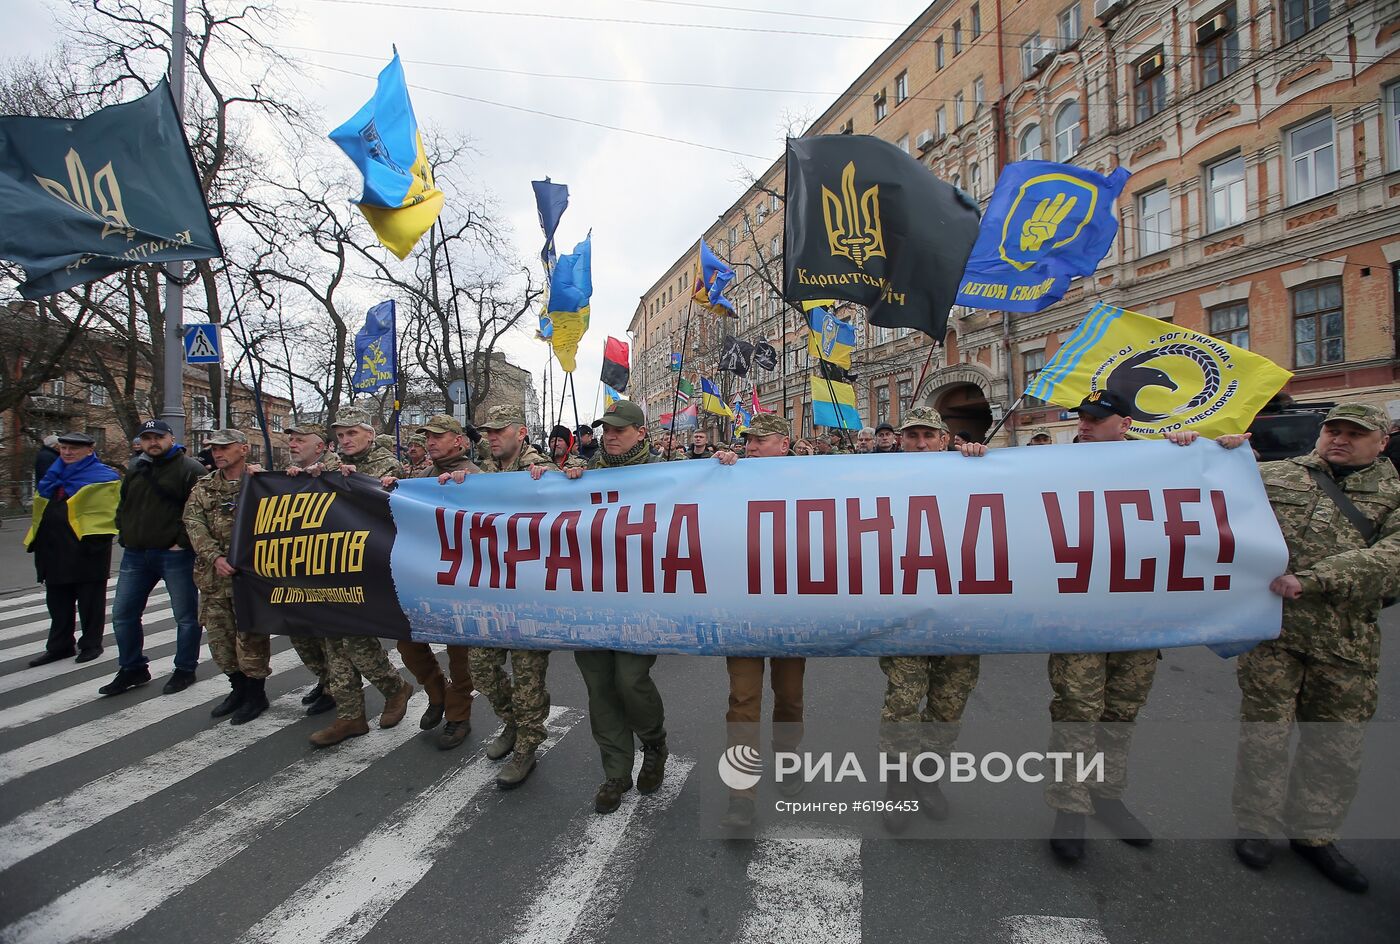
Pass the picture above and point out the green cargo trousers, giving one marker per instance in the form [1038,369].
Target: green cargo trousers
[623,706]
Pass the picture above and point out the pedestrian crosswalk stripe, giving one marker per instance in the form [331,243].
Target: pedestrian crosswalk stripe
[85,692]
[40,595]
[349,896]
[806,886]
[108,795]
[9,616]
[118,897]
[30,676]
[42,625]
[1050,929]
[593,866]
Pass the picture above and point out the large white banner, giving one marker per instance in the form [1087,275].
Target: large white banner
[1087,547]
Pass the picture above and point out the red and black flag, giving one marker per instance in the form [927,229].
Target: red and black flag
[616,367]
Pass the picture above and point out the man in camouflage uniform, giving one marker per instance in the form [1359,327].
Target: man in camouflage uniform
[624,706]
[519,698]
[931,690]
[767,437]
[349,660]
[669,451]
[449,696]
[209,516]
[1040,436]
[306,443]
[418,462]
[1323,667]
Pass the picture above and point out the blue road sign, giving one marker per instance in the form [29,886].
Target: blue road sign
[202,344]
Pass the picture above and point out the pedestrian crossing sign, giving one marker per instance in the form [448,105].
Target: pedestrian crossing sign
[202,344]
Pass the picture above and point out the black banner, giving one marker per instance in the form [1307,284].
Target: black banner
[325,541]
[734,356]
[765,356]
[868,223]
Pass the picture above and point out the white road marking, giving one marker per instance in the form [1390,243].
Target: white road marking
[120,896]
[1050,929]
[34,626]
[593,865]
[806,887]
[349,896]
[27,676]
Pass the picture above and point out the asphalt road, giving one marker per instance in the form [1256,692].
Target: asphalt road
[139,819]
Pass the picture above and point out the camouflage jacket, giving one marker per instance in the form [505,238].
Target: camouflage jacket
[420,470]
[675,455]
[1343,579]
[209,515]
[435,468]
[377,462]
[644,458]
[528,456]
[328,462]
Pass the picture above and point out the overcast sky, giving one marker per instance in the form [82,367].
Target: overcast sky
[646,200]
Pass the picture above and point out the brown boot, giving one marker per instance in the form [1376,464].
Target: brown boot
[341,729]
[395,706]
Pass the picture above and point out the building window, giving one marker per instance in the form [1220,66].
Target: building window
[276,419]
[1300,16]
[976,20]
[761,211]
[903,144]
[1032,362]
[99,435]
[1149,85]
[906,393]
[882,106]
[1154,207]
[1230,323]
[96,394]
[774,203]
[1225,193]
[979,94]
[901,87]
[774,248]
[974,181]
[1219,43]
[1068,21]
[1392,124]
[940,122]
[959,114]
[1318,324]
[1067,131]
[733,237]
[882,403]
[1030,55]
[1312,161]
[1030,144]
[957,37]
[849,127]
[938,53]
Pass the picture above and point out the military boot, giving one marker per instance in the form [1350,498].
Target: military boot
[932,802]
[1329,860]
[432,715]
[1254,849]
[395,706]
[315,692]
[1067,837]
[897,816]
[339,730]
[516,770]
[653,771]
[503,743]
[453,734]
[740,813]
[609,795]
[1121,822]
[254,701]
[322,704]
[235,697]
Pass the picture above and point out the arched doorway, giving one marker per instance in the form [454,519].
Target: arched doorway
[964,408]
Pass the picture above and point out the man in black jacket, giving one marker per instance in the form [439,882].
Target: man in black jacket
[157,548]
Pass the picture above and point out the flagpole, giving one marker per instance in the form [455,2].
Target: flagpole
[928,360]
[173,409]
[573,395]
[680,369]
[1004,417]
[457,320]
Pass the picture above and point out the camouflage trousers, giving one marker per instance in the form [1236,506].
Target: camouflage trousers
[1097,698]
[312,650]
[520,697]
[930,689]
[349,658]
[1309,798]
[233,651]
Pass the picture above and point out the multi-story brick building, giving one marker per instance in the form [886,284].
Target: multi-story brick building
[1264,206]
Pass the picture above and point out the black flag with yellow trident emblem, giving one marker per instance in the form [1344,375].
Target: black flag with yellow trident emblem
[869,224]
[81,199]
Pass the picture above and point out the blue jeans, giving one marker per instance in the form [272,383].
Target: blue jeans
[140,572]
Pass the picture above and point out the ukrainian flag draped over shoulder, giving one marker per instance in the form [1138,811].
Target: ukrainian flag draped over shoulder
[92,489]
[1171,377]
[570,289]
[400,201]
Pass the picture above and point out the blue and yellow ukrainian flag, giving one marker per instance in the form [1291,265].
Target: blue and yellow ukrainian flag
[1171,377]
[834,404]
[715,276]
[610,396]
[830,338]
[570,290]
[400,201]
[92,490]
[711,401]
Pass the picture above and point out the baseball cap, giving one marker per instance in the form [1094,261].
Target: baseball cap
[502,415]
[622,413]
[1362,414]
[307,429]
[1102,404]
[923,416]
[225,437]
[768,424]
[353,417]
[441,423]
[155,426]
[884,426]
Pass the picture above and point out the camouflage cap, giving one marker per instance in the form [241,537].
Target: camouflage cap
[384,441]
[418,439]
[500,416]
[622,413]
[307,429]
[353,416]
[1362,414]
[1037,431]
[922,416]
[442,423]
[768,424]
[225,437]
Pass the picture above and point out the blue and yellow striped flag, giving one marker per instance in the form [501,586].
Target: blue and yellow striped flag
[1172,377]
[834,404]
[711,401]
[830,338]
[610,396]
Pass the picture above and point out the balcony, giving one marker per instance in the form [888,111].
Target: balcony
[50,405]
